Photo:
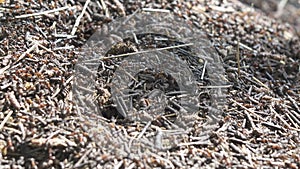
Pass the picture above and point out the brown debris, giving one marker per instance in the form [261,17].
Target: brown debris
[42,128]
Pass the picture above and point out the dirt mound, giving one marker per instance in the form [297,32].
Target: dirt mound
[42,127]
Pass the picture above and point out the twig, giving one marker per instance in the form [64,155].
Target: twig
[295,104]
[261,83]
[144,130]
[13,130]
[214,87]
[2,70]
[119,164]
[280,118]
[203,71]
[132,165]
[294,118]
[79,17]
[63,36]
[64,48]
[162,159]
[146,51]
[82,158]
[44,12]
[5,9]
[291,120]
[104,8]
[222,9]
[270,124]
[246,47]
[120,7]
[6,119]
[235,148]
[251,121]
[26,52]
[13,100]
[135,38]
[48,50]
[205,142]
[238,58]
[245,108]
[155,10]
[22,128]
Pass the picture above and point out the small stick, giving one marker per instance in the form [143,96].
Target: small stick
[2,70]
[13,130]
[292,121]
[64,48]
[5,9]
[203,71]
[280,118]
[294,117]
[270,124]
[181,109]
[105,8]
[5,119]
[21,126]
[295,104]
[144,129]
[155,10]
[79,17]
[56,93]
[162,159]
[63,36]
[132,165]
[194,143]
[245,108]
[13,100]
[261,83]
[2,51]
[119,165]
[237,140]
[146,51]
[120,6]
[246,47]
[53,134]
[135,38]
[238,58]
[37,44]
[27,52]
[215,87]
[82,158]
[44,12]
[48,50]
[250,120]
[235,148]
[68,80]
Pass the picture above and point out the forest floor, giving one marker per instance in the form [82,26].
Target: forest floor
[258,43]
